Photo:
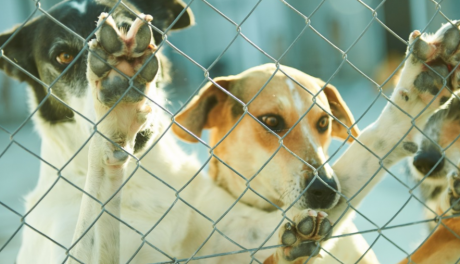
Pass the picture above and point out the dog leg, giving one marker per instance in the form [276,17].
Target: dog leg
[444,243]
[128,61]
[391,138]
[301,240]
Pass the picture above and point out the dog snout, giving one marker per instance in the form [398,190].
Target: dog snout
[322,192]
[429,161]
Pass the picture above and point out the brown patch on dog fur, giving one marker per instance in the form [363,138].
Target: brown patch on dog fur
[449,133]
[441,247]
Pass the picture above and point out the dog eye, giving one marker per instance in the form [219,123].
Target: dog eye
[64,58]
[274,122]
[323,124]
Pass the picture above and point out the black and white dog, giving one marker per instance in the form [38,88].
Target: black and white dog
[51,54]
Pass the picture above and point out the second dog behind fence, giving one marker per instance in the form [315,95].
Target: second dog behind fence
[436,163]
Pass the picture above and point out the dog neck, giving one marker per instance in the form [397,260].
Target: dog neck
[249,198]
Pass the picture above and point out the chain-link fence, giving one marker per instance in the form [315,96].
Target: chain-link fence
[356,45]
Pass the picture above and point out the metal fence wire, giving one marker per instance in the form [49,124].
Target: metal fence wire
[308,19]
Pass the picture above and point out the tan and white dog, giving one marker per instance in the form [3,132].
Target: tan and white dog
[252,164]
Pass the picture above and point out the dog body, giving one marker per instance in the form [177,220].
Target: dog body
[436,163]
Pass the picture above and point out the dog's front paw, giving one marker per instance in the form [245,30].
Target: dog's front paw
[121,68]
[453,193]
[427,70]
[301,239]
[120,60]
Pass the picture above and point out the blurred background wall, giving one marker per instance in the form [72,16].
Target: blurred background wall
[273,27]
[350,25]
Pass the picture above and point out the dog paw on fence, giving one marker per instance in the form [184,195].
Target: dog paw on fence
[301,240]
[428,70]
[121,68]
[453,192]
[116,56]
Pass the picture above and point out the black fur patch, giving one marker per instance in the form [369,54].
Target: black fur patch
[410,146]
[142,138]
[443,100]
[36,46]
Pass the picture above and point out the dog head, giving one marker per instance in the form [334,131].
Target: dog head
[439,146]
[50,50]
[249,144]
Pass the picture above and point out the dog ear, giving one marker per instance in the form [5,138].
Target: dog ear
[203,109]
[340,111]
[164,13]
[18,49]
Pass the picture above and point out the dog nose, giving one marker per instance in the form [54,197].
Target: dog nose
[426,161]
[321,195]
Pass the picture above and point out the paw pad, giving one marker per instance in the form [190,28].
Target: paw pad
[302,239]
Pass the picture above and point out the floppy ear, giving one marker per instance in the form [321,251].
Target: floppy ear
[340,111]
[19,49]
[164,12]
[203,110]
